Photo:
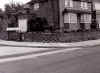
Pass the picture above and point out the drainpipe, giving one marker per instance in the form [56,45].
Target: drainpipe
[93,14]
[53,13]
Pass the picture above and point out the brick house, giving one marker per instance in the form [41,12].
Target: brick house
[63,15]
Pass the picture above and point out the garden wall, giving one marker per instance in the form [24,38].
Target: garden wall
[56,37]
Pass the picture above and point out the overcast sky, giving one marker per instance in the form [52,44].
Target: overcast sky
[3,2]
[97,5]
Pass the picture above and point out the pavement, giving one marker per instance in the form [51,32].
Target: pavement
[49,45]
[16,49]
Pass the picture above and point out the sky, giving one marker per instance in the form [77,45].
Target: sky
[3,2]
[97,6]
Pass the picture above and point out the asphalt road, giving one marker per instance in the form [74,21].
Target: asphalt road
[85,60]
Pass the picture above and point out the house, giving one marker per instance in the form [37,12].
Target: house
[58,15]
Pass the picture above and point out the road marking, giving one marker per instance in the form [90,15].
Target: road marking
[36,55]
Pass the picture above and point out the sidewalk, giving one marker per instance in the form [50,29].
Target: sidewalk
[15,49]
[50,45]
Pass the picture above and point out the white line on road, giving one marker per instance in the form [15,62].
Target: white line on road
[36,55]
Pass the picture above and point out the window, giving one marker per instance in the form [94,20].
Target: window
[68,3]
[70,18]
[84,5]
[36,6]
[71,3]
[86,18]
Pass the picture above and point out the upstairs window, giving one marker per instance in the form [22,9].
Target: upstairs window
[84,5]
[36,6]
[68,3]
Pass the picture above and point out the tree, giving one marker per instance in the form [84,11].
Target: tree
[11,11]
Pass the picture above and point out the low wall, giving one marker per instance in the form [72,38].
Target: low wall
[56,37]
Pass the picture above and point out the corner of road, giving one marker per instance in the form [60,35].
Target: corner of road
[49,45]
[15,49]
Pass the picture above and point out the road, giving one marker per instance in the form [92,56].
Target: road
[83,60]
